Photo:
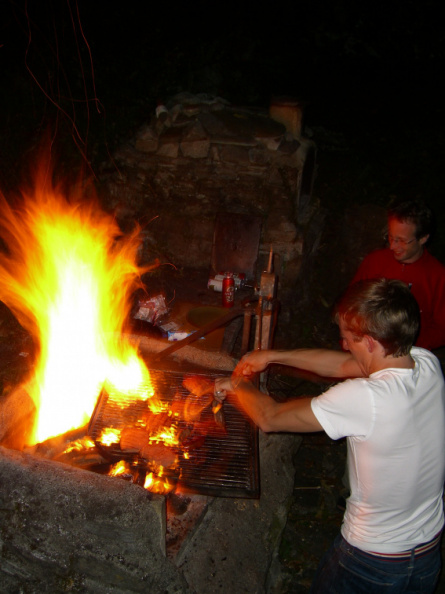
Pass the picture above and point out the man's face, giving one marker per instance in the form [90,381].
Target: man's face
[403,243]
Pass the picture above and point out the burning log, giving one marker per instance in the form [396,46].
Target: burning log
[159,454]
[133,439]
[73,447]
[165,432]
[137,440]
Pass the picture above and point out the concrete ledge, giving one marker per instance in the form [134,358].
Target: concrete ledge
[61,525]
[234,545]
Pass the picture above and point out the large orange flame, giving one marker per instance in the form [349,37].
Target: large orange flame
[67,274]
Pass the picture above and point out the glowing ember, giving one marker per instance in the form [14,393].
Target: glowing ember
[80,445]
[109,436]
[157,484]
[167,435]
[120,468]
[68,275]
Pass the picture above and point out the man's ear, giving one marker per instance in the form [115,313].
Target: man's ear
[424,239]
[370,343]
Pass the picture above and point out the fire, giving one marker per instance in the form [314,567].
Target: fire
[167,435]
[109,436]
[157,484]
[80,445]
[67,274]
[120,468]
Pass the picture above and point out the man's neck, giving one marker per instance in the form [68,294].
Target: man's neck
[390,362]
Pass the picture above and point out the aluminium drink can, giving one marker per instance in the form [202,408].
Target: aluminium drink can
[228,290]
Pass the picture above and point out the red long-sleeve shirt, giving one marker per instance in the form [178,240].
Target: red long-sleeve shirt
[426,277]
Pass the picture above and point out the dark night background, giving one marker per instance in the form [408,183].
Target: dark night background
[370,75]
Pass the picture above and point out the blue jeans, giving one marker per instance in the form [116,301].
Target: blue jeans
[347,570]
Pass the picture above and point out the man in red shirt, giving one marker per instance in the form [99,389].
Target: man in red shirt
[408,260]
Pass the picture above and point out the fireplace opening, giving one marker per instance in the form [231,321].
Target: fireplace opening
[171,436]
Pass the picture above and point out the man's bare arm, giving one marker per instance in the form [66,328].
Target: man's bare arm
[292,416]
[323,362]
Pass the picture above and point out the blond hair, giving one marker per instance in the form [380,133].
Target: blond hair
[384,309]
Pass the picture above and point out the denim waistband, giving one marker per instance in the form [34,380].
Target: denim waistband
[419,550]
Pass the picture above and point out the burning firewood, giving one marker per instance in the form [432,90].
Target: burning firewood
[159,454]
[155,422]
[144,440]
[166,437]
[137,440]
[134,439]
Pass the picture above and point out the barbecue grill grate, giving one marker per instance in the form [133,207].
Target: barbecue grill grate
[225,464]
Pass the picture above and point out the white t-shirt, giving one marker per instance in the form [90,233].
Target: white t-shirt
[394,422]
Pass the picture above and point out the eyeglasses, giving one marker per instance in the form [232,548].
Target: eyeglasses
[397,240]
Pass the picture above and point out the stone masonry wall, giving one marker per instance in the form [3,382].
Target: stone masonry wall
[200,156]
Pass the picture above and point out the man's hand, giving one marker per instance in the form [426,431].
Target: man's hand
[252,363]
[222,386]
[228,384]
[247,367]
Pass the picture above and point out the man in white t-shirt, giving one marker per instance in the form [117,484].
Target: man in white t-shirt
[391,409]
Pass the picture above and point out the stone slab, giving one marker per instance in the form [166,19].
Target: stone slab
[61,525]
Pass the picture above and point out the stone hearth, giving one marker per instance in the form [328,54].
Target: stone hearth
[65,529]
[199,156]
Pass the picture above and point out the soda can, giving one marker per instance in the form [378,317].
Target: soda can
[238,277]
[228,290]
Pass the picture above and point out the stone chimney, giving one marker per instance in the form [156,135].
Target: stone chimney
[289,112]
